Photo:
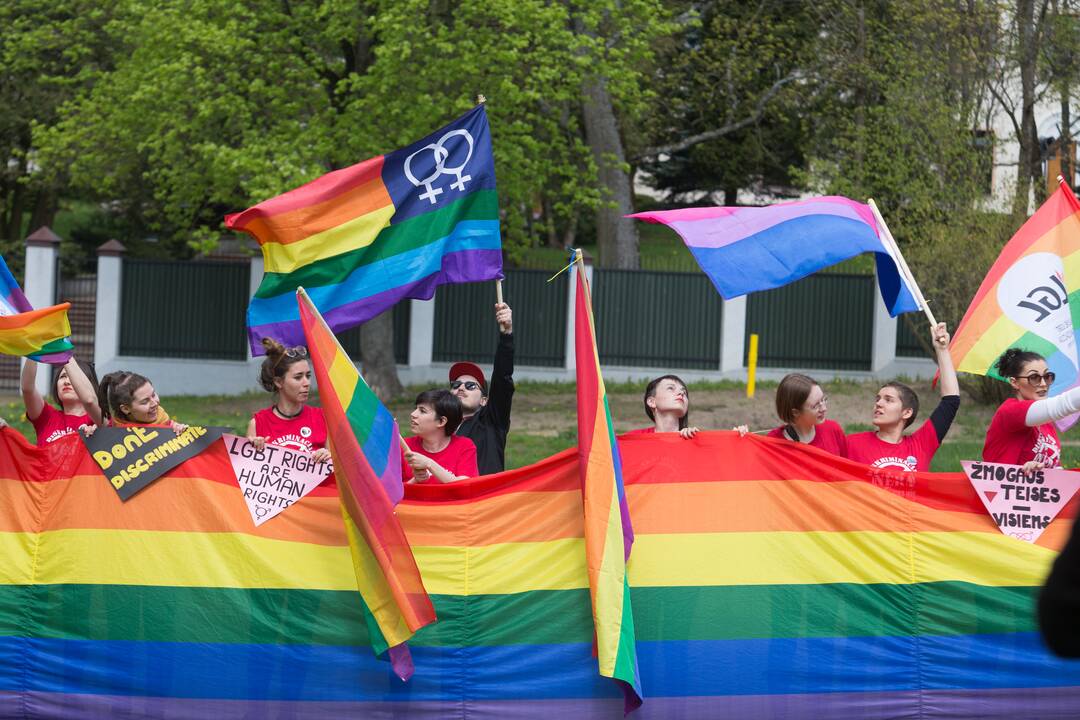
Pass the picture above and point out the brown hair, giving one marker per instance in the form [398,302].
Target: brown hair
[278,361]
[444,404]
[116,389]
[650,391]
[791,394]
[908,400]
[88,370]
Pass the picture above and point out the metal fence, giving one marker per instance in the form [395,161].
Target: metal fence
[81,292]
[822,321]
[465,319]
[908,342]
[657,319]
[184,309]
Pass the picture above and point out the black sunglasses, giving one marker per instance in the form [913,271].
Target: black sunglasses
[469,385]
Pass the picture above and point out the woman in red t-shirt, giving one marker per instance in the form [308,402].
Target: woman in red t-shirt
[1022,431]
[667,404]
[290,421]
[435,453]
[49,423]
[801,405]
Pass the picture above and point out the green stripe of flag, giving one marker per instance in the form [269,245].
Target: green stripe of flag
[393,240]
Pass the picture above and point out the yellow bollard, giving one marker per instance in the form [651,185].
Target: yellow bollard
[751,366]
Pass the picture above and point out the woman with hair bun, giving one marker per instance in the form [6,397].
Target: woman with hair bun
[801,405]
[290,421]
[51,423]
[1022,431]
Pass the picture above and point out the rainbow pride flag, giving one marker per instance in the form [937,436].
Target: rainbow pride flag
[363,439]
[41,335]
[781,582]
[1030,298]
[747,249]
[365,237]
[609,535]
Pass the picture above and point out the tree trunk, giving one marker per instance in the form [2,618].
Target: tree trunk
[1028,157]
[377,355]
[44,209]
[616,235]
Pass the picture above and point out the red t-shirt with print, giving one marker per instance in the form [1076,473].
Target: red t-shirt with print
[305,432]
[913,452]
[828,436]
[1010,440]
[459,457]
[52,424]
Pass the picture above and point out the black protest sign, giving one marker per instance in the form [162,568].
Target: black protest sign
[134,457]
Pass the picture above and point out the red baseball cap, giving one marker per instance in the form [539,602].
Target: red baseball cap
[468,368]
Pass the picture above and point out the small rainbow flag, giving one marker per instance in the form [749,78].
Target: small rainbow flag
[363,238]
[364,443]
[1030,298]
[608,532]
[747,249]
[41,334]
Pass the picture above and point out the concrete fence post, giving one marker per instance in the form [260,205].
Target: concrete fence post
[733,337]
[883,352]
[107,315]
[39,280]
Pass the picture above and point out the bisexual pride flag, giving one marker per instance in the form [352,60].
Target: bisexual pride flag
[42,335]
[746,249]
[363,238]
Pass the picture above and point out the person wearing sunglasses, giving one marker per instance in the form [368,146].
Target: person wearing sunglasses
[895,408]
[1022,431]
[486,408]
[290,422]
[51,423]
[801,405]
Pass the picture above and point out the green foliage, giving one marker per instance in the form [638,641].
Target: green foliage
[214,106]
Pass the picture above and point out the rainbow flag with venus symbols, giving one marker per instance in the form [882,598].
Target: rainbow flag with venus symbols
[363,238]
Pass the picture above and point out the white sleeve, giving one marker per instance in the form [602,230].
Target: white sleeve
[1053,408]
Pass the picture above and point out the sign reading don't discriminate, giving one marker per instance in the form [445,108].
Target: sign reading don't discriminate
[134,457]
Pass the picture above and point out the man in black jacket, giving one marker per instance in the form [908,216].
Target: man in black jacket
[487,407]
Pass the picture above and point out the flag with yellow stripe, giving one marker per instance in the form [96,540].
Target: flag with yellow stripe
[363,438]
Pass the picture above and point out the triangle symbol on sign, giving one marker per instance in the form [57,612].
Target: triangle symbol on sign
[990,495]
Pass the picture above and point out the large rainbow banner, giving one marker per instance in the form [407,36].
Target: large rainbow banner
[779,583]
[363,238]
[1030,298]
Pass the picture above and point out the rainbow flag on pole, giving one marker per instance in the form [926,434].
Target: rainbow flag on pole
[363,238]
[364,443]
[608,532]
[1030,298]
[42,335]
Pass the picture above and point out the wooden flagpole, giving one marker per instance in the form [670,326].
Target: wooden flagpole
[901,263]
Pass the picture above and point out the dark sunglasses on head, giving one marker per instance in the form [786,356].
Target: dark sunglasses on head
[469,385]
[1037,379]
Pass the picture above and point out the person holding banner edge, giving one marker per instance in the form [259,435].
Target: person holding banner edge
[49,423]
[667,405]
[434,452]
[801,405]
[895,409]
[290,422]
[1022,431]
